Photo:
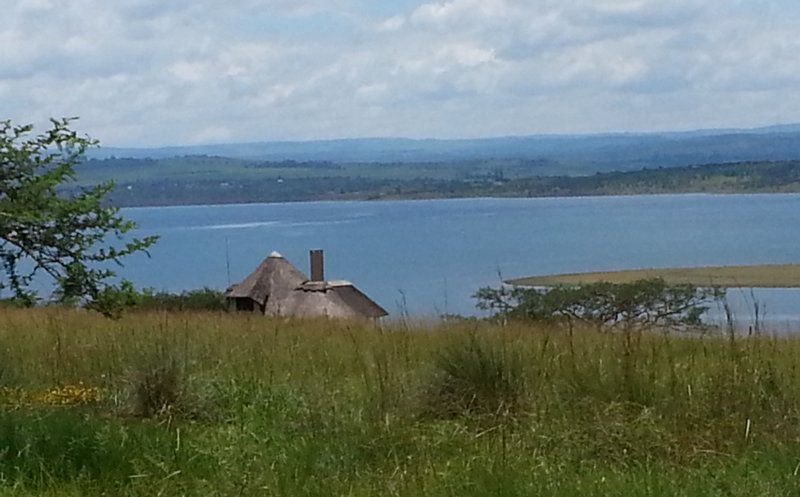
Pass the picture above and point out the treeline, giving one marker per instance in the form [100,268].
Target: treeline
[742,177]
[141,185]
[289,190]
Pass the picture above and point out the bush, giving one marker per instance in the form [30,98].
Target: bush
[651,303]
[206,299]
[475,377]
[157,389]
[16,302]
[113,300]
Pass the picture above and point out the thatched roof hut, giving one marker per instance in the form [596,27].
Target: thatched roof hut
[276,287]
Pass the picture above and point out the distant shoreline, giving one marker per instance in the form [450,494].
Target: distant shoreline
[424,198]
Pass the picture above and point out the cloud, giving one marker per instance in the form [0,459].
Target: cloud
[154,72]
[391,24]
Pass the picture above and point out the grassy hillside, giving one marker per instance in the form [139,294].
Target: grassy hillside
[217,404]
[756,276]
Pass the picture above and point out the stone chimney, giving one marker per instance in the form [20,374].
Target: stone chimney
[317,266]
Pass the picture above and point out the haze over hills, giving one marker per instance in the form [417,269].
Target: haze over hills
[579,154]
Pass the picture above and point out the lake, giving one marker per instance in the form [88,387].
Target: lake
[428,257]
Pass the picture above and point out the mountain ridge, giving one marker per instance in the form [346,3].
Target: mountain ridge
[722,142]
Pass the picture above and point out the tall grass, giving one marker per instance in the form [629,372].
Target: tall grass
[246,405]
[476,375]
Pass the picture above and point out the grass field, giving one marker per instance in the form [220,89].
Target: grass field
[217,404]
[756,276]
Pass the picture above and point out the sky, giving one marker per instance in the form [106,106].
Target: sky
[180,72]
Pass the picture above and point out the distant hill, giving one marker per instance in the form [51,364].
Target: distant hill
[576,154]
[756,160]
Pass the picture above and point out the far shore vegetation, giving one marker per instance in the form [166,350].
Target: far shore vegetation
[746,276]
[220,180]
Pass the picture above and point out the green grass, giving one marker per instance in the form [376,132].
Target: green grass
[754,276]
[257,406]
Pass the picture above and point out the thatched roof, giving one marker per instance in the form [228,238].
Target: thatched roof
[339,299]
[274,278]
[281,289]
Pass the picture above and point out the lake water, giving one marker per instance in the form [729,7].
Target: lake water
[429,256]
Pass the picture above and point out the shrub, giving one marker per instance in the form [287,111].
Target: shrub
[650,302]
[157,389]
[205,299]
[475,377]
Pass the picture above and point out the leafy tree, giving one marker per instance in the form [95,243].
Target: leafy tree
[44,230]
[650,302]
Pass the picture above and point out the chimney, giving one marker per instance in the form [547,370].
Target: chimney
[317,266]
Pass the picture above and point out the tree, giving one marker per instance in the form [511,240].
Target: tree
[650,302]
[43,229]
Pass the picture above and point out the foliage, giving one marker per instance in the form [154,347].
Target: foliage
[650,303]
[43,230]
[204,299]
[157,388]
[126,296]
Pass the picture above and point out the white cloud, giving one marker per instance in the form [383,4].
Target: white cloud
[391,24]
[147,72]
[460,12]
